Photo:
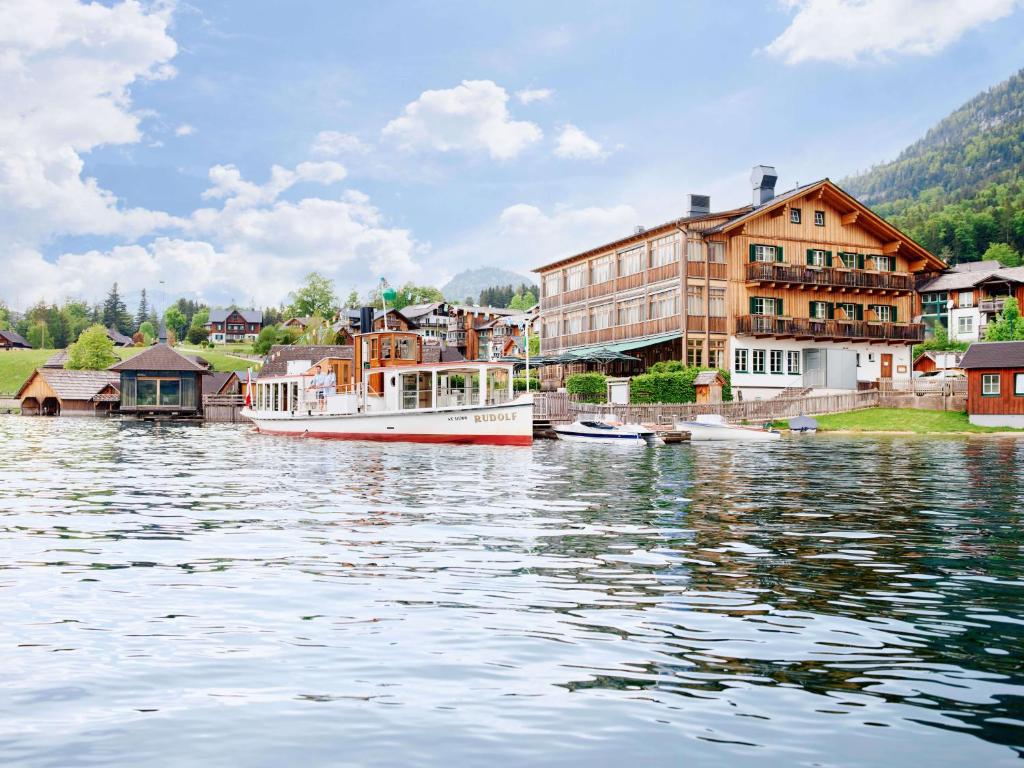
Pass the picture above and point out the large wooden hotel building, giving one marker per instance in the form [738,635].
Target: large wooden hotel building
[806,289]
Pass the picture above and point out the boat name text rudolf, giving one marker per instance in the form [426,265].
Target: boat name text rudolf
[495,417]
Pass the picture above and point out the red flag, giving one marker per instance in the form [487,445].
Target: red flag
[248,388]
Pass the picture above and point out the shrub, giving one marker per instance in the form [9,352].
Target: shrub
[268,337]
[674,386]
[197,335]
[519,383]
[588,387]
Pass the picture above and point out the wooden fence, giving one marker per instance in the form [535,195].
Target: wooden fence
[223,408]
[558,406]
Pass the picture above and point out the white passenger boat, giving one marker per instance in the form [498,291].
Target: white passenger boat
[386,392]
[713,427]
[594,429]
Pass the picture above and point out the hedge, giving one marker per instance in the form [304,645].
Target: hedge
[588,387]
[519,383]
[672,386]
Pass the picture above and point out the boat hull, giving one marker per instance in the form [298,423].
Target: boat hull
[506,424]
[713,432]
[574,433]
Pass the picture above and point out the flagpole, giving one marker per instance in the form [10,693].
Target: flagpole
[383,303]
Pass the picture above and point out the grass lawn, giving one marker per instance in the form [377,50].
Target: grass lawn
[220,359]
[902,420]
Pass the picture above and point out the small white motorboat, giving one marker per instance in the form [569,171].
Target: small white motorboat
[597,429]
[711,426]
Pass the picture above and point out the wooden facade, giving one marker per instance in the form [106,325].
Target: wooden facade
[59,392]
[995,383]
[812,266]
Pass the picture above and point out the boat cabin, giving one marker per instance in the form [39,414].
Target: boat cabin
[386,374]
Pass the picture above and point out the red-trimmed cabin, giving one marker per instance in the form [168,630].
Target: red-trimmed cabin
[995,383]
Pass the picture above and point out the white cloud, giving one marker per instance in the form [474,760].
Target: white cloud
[856,31]
[184,130]
[574,144]
[530,95]
[65,73]
[334,143]
[472,116]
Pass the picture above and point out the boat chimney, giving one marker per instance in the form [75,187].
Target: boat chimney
[365,319]
[698,205]
[763,179]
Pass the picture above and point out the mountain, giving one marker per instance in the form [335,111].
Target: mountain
[470,282]
[959,190]
[981,143]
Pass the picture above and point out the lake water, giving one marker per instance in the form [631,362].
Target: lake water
[181,595]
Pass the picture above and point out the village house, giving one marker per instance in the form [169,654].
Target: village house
[505,336]
[934,360]
[431,319]
[995,383]
[59,392]
[12,340]
[234,325]
[465,324]
[396,321]
[808,289]
[967,297]
[161,382]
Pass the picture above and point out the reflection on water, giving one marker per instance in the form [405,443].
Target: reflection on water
[178,595]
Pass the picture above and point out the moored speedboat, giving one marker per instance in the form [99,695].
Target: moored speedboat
[711,427]
[803,425]
[594,429]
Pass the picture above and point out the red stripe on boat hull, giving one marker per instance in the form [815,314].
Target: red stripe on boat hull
[403,438]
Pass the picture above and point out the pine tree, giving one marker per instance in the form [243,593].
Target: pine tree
[115,313]
[142,314]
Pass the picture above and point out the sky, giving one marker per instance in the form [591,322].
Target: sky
[223,150]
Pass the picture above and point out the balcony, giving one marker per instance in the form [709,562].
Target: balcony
[992,304]
[808,328]
[457,338]
[832,278]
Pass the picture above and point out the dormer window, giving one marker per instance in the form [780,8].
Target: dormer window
[794,215]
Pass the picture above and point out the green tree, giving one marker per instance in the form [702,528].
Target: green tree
[1008,325]
[148,331]
[269,336]
[44,327]
[353,301]
[175,320]
[115,313]
[142,313]
[77,317]
[197,334]
[1003,253]
[5,317]
[314,297]
[200,318]
[534,345]
[94,351]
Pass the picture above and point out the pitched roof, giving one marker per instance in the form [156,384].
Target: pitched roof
[218,380]
[57,360]
[994,354]
[276,362]
[14,338]
[159,357]
[416,311]
[353,316]
[249,315]
[960,279]
[707,377]
[74,385]
[976,266]
[119,338]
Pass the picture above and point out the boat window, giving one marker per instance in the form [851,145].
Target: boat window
[385,348]
[403,348]
[596,425]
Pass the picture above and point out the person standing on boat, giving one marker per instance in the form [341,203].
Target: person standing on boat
[317,385]
[330,386]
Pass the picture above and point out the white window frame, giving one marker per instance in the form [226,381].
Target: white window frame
[776,362]
[888,261]
[819,218]
[883,313]
[818,258]
[765,303]
[758,355]
[663,304]
[1018,384]
[966,302]
[794,215]
[744,354]
[987,380]
[793,362]
[961,322]
[815,306]
[764,253]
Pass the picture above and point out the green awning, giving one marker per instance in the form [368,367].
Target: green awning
[626,346]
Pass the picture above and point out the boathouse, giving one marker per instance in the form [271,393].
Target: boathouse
[12,340]
[995,383]
[161,382]
[60,392]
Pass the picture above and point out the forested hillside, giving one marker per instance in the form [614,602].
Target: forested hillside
[960,189]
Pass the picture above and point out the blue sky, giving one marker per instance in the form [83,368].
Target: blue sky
[415,139]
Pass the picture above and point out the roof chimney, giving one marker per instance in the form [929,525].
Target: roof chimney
[763,179]
[698,205]
[639,229]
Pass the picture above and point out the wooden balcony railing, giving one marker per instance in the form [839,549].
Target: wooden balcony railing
[808,328]
[854,280]
[992,305]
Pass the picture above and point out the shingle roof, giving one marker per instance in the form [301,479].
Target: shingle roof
[958,279]
[159,357]
[74,385]
[276,363]
[57,360]
[14,338]
[119,338]
[976,266]
[994,354]
[249,315]
[706,377]
[217,381]
[416,311]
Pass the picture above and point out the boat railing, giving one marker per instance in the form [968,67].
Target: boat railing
[415,399]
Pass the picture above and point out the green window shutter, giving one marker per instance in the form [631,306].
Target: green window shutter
[858,311]
[752,299]
[753,257]
[810,256]
[810,309]
[830,310]
[893,313]
[778,253]
[778,307]
[828,258]
[860,261]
